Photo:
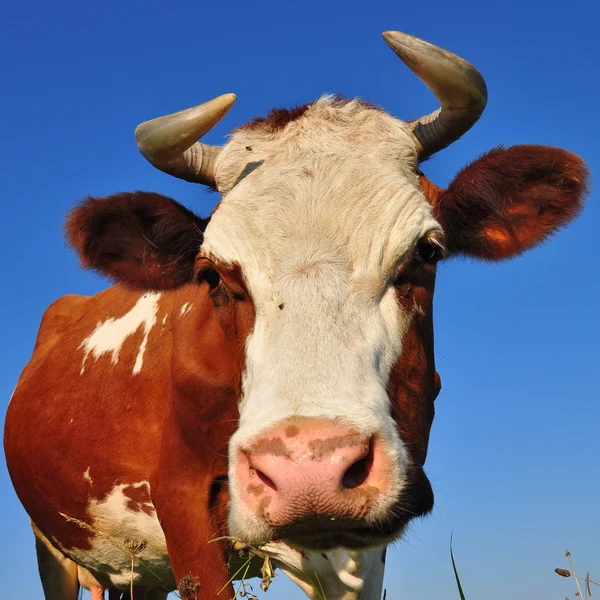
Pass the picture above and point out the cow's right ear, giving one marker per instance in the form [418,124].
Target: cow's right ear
[141,239]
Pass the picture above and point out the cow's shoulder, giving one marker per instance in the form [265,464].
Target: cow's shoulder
[59,316]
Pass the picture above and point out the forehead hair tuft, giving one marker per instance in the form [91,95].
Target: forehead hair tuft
[279,118]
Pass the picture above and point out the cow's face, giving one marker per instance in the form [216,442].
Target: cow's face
[337,245]
[318,270]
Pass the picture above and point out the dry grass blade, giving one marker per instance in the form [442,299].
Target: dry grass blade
[587,581]
[587,584]
[245,589]
[314,583]
[267,574]
[568,555]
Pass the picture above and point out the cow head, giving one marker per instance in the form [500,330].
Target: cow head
[319,264]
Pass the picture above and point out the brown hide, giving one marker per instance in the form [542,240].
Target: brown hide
[414,383]
[129,428]
[207,364]
[170,424]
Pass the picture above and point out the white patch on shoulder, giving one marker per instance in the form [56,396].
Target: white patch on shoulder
[126,516]
[110,335]
[164,321]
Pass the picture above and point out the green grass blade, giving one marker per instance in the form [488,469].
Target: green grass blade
[460,590]
[320,591]
[245,565]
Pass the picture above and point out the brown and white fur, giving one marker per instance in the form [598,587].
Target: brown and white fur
[239,358]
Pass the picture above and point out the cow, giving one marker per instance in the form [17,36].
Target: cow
[261,383]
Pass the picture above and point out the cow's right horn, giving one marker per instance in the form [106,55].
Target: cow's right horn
[170,142]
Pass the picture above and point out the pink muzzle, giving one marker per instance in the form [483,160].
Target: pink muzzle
[306,470]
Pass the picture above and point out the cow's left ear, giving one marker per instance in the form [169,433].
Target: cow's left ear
[510,200]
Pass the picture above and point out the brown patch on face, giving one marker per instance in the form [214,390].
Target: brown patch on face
[367,493]
[321,448]
[263,505]
[233,312]
[292,431]
[256,490]
[273,446]
[414,384]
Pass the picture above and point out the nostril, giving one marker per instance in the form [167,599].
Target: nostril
[264,478]
[358,472]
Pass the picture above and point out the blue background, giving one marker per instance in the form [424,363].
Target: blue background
[514,451]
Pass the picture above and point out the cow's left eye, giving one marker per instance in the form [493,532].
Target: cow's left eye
[210,276]
[429,251]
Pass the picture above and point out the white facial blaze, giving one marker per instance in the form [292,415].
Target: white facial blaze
[320,215]
[110,335]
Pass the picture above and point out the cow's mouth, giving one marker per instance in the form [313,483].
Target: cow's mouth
[318,532]
[350,538]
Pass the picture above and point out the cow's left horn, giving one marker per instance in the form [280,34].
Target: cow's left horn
[170,142]
[458,85]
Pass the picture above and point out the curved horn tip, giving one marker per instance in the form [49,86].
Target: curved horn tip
[216,108]
[415,52]
[399,41]
[226,99]
[212,110]
[388,36]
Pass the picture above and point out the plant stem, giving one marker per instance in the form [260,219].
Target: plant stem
[568,555]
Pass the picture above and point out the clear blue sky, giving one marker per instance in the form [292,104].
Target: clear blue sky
[514,451]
